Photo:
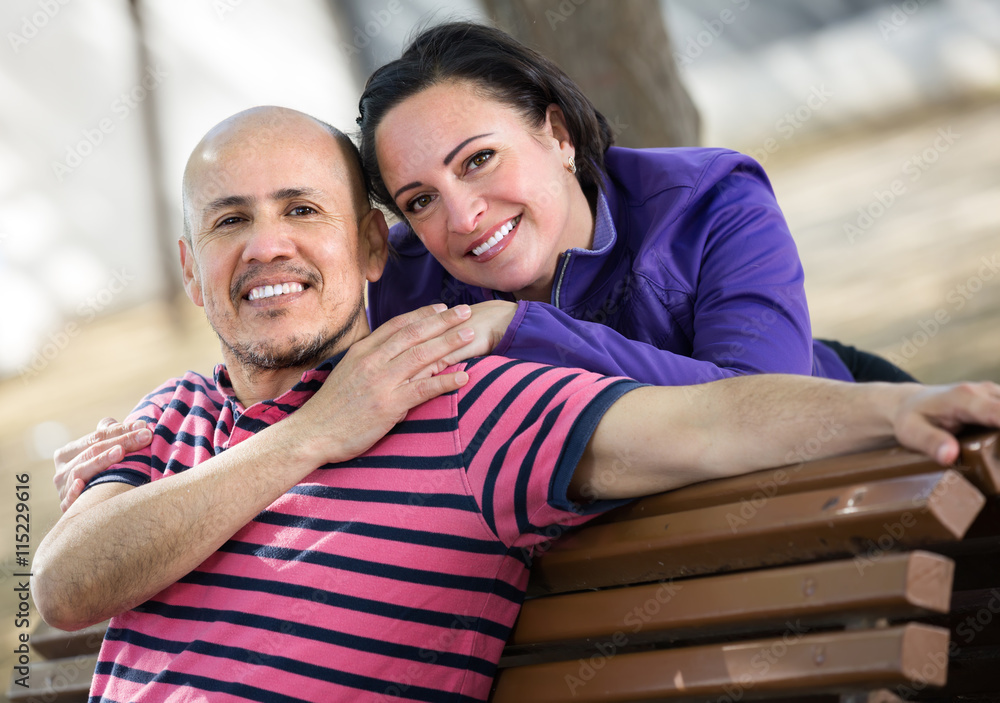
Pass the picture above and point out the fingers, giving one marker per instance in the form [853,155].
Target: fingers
[426,359]
[935,442]
[420,391]
[978,403]
[420,330]
[415,350]
[106,422]
[75,489]
[391,327]
[99,456]
[928,424]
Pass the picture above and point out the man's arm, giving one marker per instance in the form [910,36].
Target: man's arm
[117,546]
[675,436]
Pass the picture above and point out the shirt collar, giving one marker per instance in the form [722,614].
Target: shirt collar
[303,390]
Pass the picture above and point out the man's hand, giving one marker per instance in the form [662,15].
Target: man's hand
[83,458]
[373,387]
[674,437]
[381,378]
[929,416]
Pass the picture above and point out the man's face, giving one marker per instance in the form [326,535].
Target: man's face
[275,255]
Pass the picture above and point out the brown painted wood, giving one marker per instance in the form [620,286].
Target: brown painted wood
[791,665]
[880,696]
[865,519]
[55,644]
[979,463]
[981,456]
[841,592]
[57,681]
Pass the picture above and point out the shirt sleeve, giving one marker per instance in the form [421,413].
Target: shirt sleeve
[136,469]
[523,428]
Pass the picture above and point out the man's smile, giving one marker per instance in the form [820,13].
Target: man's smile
[270,291]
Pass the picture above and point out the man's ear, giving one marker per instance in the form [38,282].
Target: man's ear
[556,127]
[190,273]
[373,233]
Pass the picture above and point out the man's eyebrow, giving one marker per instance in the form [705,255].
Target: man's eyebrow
[295,192]
[246,201]
[228,201]
[451,154]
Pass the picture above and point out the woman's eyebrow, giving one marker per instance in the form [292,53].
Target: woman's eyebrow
[451,154]
[447,160]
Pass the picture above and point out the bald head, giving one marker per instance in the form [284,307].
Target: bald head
[246,133]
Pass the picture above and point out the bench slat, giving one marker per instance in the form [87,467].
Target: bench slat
[902,512]
[841,592]
[979,464]
[53,643]
[981,454]
[811,664]
[58,681]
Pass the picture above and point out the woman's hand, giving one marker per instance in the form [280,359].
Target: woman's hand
[80,460]
[490,320]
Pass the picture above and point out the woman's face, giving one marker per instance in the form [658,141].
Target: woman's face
[488,195]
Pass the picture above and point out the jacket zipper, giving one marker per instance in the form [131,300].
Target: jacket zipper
[562,274]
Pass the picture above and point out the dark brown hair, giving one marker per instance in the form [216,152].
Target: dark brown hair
[500,66]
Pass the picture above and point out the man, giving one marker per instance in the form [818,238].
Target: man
[319,558]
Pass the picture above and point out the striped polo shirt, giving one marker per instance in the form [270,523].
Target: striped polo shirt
[397,574]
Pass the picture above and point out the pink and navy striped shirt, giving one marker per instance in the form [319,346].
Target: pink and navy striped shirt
[397,574]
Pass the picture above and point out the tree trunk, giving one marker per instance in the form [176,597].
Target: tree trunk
[620,55]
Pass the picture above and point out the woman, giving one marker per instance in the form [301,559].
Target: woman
[672,266]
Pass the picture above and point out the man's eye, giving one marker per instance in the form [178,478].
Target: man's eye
[302,210]
[480,158]
[226,222]
[418,203]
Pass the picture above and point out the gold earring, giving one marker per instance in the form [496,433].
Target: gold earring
[571,165]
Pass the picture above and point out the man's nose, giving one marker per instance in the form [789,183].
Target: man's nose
[267,242]
[465,211]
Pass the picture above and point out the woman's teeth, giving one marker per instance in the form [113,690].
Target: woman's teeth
[492,241]
[271,291]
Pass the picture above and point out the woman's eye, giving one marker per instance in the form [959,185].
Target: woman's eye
[302,210]
[418,203]
[480,158]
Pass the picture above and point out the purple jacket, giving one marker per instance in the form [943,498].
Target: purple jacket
[693,277]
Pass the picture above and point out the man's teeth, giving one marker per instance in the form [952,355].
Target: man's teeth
[492,241]
[271,291]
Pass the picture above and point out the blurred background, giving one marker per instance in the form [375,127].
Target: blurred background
[878,122]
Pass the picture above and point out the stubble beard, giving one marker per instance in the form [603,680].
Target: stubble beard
[299,352]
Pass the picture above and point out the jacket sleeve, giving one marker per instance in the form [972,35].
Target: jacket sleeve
[731,257]
[544,334]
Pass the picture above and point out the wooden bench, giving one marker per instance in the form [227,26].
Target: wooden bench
[807,583]
[873,577]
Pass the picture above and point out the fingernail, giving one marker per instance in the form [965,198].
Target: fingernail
[463,310]
[439,307]
[115,453]
[138,425]
[466,333]
[144,435]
